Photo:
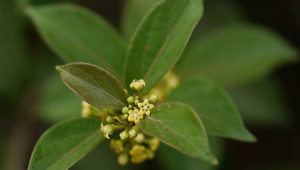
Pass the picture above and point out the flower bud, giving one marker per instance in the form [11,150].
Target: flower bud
[149,153]
[124,135]
[123,159]
[126,93]
[153,99]
[139,138]
[125,110]
[130,99]
[136,101]
[110,119]
[125,116]
[132,133]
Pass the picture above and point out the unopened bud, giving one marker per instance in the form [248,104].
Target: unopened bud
[139,138]
[124,135]
[123,159]
[130,99]
[153,99]
[125,110]
[132,133]
[110,119]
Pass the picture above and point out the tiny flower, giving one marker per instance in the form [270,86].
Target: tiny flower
[145,107]
[107,130]
[153,143]
[139,138]
[135,115]
[116,146]
[123,159]
[138,85]
[109,119]
[138,154]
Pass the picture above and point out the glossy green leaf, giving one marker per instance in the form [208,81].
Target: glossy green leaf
[160,40]
[215,108]
[93,85]
[178,125]
[235,54]
[262,104]
[79,35]
[133,13]
[65,143]
[57,102]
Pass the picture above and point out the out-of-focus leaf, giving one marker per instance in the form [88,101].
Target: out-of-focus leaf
[235,54]
[215,108]
[78,35]
[133,13]
[179,126]
[261,103]
[171,159]
[58,102]
[65,143]
[13,52]
[161,39]
[93,85]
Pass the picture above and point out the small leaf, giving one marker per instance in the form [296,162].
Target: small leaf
[160,40]
[215,108]
[235,54]
[65,143]
[178,126]
[93,85]
[79,35]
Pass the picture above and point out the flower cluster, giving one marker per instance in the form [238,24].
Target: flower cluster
[132,144]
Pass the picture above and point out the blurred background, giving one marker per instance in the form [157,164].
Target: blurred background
[33,98]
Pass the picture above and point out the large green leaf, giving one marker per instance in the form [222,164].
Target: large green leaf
[133,13]
[215,108]
[160,40]
[78,35]
[93,85]
[57,102]
[234,54]
[178,125]
[262,104]
[65,143]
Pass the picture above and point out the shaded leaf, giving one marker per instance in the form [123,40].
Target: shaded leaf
[93,85]
[235,54]
[79,35]
[57,102]
[160,40]
[262,104]
[133,13]
[65,143]
[215,108]
[177,125]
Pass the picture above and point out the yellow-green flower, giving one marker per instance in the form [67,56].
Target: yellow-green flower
[138,154]
[107,130]
[116,146]
[86,109]
[145,107]
[135,115]
[138,85]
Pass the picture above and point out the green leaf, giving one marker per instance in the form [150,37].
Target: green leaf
[57,102]
[93,85]
[160,40]
[79,35]
[65,143]
[166,156]
[235,54]
[133,13]
[178,125]
[262,104]
[215,108]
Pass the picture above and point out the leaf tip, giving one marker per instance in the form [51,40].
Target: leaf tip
[58,68]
